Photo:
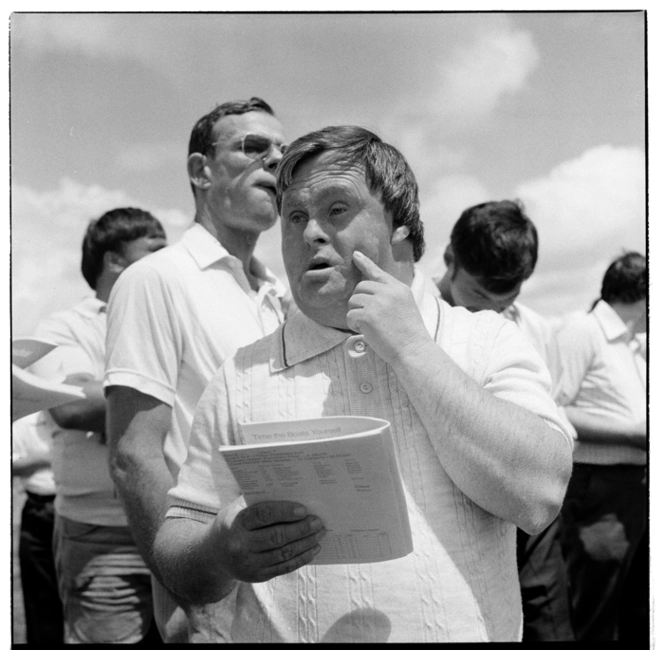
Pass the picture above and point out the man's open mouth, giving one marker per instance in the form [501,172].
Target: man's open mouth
[318,266]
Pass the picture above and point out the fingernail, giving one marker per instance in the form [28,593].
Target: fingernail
[316,523]
[299,511]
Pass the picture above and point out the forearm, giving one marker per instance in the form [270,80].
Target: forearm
[86,414]
[137,426]
[143,485]
[27,465]
[504,458]
[202,562]
[188,561]
[596,429]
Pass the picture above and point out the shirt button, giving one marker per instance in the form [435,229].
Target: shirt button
[359,346]
[366,387]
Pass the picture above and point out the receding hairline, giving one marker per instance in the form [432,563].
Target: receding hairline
[337,163]
[241,117]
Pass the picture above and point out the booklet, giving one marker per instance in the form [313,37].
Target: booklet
[31,393]
[342,469]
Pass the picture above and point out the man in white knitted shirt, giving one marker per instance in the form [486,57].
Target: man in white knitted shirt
[479,442]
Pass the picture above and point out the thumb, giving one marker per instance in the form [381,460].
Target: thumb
[369,269]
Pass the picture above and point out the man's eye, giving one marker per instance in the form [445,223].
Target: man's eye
[336,210]
[296,218]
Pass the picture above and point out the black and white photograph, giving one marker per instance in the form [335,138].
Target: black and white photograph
[422,235]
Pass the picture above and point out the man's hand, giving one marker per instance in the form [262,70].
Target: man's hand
[383,309]
[87,414]
[267,540]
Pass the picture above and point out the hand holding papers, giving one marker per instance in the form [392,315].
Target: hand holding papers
[29,392]
[342,469]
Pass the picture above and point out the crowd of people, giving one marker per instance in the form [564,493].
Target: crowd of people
[522,446]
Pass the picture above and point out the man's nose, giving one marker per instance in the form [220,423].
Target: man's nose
[272,158]
[314,234]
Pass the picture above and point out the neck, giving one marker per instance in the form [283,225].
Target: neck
[103,287]
[240,244]
[445,288]
[632,314]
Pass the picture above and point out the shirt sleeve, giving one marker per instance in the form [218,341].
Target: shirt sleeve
[576,352]
[144,341]
[516,372]
[205,484]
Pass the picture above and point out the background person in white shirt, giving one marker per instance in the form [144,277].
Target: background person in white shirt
[492,251]
[605,511]
[104,584]
[478,438]
[173,322]
[31,463]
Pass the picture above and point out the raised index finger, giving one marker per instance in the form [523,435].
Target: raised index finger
[268,513]
[370,270]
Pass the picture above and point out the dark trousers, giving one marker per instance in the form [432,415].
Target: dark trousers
[544,585]
[604,520]
[43,608]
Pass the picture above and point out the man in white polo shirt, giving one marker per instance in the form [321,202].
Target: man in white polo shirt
[605,512]
[173,322]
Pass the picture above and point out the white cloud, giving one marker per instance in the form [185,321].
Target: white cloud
[441,205]
[47,231]
[143,157]
[587,211]
[90,34]
[497,62]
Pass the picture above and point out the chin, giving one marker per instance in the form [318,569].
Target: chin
[323,304]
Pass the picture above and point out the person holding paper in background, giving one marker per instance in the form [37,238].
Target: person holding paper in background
[479,441]
[104,584]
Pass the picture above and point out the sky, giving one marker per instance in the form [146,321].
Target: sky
[546,107]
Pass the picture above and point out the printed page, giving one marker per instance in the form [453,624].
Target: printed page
[351,482]
[31,393]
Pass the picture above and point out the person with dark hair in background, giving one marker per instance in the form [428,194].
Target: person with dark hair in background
[493,250]
[480,445]
[605,512]
[174,320]
[104,584]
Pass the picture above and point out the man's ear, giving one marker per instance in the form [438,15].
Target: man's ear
[448,257]
[400,234]
[114,263]
[199,172]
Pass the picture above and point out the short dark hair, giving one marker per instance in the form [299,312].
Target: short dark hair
[111,232]
[201,139]
[626,279]
[496,242]
[202,135]
[386,172]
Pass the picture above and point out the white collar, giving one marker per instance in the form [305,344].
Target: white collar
[300,338]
